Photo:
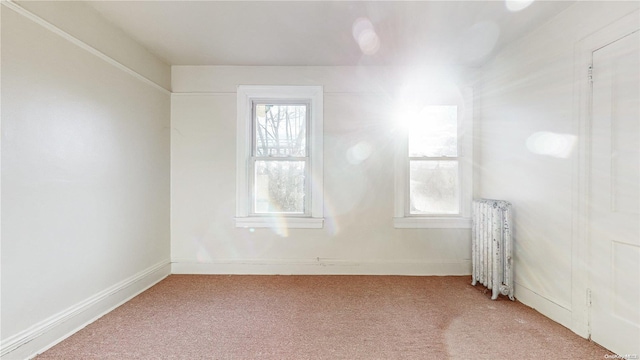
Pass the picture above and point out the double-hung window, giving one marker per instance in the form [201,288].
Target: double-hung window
[433,168]
[279,156]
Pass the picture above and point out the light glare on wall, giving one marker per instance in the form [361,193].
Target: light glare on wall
[551,144]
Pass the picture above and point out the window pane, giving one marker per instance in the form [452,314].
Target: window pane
[279,187]
[433,187]
[280,130]
[435,132]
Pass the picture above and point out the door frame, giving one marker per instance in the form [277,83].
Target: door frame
[580,261]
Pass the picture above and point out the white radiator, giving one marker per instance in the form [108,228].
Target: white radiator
[492,246]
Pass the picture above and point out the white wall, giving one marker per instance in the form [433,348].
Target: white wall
[532,87]
[358,236]
[87,25]
[85,185]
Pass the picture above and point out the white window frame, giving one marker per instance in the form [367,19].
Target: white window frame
[402,217]
[246,96]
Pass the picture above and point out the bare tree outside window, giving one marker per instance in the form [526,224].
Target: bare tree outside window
[280,158]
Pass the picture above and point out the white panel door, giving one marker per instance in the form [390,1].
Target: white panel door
[614,197]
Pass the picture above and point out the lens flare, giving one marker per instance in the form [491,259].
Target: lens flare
[517,5]
[366,37]
[551,144]
[359,152]
[278,224]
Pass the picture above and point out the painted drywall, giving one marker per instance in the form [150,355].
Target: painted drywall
[85,181]
[528,130]
[86,24]
[359,143]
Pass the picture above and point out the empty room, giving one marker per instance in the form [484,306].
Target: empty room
[320,179]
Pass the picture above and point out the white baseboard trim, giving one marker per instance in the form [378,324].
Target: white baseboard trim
[546,307]
[319,267]
[58,327]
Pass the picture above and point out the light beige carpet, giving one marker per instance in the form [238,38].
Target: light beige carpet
[322,317]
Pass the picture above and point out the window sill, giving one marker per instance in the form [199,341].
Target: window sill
[279,222]
[431,223]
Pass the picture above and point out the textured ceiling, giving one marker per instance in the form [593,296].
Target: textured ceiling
[331,33]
